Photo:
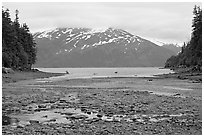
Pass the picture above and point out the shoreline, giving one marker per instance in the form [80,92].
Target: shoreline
[30,75]
[26,75]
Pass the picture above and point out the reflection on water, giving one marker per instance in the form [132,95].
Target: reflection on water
[68,115]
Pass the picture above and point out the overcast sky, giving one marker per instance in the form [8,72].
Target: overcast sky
[168,22]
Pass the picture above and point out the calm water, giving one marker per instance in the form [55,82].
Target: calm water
[108,72]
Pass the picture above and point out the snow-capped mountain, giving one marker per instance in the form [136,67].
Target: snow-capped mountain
[101,47]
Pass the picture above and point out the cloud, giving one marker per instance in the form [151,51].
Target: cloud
[165,21]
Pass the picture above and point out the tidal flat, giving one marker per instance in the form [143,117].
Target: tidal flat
[102,106]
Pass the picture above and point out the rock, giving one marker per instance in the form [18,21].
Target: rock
[108,119]
[145,103]
[89,121]
[95,119]
[34,122]
[4,70]
[7,70]
[62,100]
[68,113]
[52,120]
[99,115]
[134,119]
[115,119]
[177,94]
[37,110]
[6,120]
[78,117]
[53,107]
[41,106]
[34,70]
[138,111]
[45,116]
[67,72]
[52,101]
[20,126]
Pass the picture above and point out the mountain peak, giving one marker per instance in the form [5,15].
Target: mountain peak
[98,30]
[97,47]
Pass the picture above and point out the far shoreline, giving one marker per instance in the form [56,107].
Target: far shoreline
[26,75]
[30,75]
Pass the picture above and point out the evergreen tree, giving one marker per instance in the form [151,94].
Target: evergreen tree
[196,39]
[191,54]
[8,39]
[18,46]
[29,45]
[183,47]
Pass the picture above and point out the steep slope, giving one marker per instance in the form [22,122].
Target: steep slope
[83,47]
[173,47]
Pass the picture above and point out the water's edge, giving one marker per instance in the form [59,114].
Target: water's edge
[72,73]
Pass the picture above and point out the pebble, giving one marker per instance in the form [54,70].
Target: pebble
[107,108]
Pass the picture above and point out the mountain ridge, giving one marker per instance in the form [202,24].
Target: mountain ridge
[174,47]
[106,47]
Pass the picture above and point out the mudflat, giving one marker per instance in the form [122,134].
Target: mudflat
[19,76]
[127,106]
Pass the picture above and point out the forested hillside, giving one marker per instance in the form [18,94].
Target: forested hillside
[18,46]
[191,54]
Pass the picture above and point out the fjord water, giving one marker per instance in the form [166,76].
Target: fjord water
[108,72]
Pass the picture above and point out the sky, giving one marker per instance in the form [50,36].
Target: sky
[168,22]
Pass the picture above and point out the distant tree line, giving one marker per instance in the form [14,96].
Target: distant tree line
[191,53]
[18,46]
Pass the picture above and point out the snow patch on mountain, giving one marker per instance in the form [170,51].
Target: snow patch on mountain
[96,30]
[87,37]
[47,33]
[67,30]
[83,46]
[43,35]
[70,50]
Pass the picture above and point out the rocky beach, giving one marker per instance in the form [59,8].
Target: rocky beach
[101,106]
